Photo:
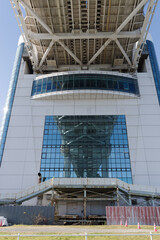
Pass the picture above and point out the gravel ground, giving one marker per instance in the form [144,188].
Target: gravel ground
[71,229]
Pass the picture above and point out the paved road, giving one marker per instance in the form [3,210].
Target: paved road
[70,229]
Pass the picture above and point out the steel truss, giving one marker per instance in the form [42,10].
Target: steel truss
[62,37]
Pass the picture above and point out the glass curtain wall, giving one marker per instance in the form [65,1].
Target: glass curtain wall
[10,98]
[155,67]
[86,146]
[85,81]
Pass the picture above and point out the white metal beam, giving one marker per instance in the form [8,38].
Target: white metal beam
[29,45]
[63,37]
[99,51]
[79,10]
[145,29]
[71,53]
[60,23]
[65,26]
[131,15]
[88,26]
[82,35]
[123,52]
[72,12]
[104,10]
[108,14]
[52,27]
[117,18]
[101,67]
[118,30]
[131,26]
[59,15]
[36,16]
[46,53]
[49,30]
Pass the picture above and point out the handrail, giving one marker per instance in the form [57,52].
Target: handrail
[136,190]
[28,193]
[86,235]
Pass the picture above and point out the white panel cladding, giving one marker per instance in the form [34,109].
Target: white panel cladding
[64,110]
[147,90]
[139,155]
[20,120]
[25,134]
[143,179]
[23,167]
[12,183]
[132,120]
[149,109]
[26,82]
[152,156]
[152,142]
[154,179]
[19,132]
[21,111]
[154,168]
[141,168]
[151,131]
[11,155]
[150,120]
[148,99]
[18,101]
[26,91]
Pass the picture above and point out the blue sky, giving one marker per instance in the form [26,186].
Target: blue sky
[10,35]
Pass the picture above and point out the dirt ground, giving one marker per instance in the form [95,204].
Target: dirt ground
[74,229]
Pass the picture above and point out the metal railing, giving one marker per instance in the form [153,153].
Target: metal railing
[85,235]
[28,193]
[43,187]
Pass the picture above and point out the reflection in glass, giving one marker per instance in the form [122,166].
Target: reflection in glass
[86,146]
[85,81]
[10,98]
[154,65]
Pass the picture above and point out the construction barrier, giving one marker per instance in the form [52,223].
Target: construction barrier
[30,215]
[133,215]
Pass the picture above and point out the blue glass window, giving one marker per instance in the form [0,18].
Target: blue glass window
[155,67]
[10,97]
[86,146]
[85,81]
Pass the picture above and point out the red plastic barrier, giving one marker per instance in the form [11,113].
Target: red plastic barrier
[133,215]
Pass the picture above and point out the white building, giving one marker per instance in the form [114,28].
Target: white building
[83,100]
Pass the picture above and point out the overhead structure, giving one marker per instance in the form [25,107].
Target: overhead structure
[84,34]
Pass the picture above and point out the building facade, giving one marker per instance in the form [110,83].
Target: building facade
[76,122]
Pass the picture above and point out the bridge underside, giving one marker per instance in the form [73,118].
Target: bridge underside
[91,33]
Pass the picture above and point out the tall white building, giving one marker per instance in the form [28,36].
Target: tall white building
[83,103]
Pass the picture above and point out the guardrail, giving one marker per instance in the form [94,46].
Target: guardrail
[28,193]
[43,187]
[85,235]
